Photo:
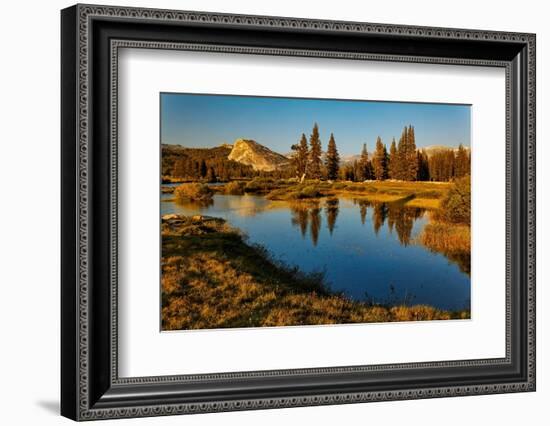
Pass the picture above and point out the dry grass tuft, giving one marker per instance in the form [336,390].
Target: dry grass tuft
[446,237]
[235,188]
[193,192]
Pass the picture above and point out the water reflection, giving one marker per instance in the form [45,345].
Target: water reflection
[332,206]
[363,247]
[300,218]
[379,214]
[363,212]
[195,204]
[315,223]
[306,215]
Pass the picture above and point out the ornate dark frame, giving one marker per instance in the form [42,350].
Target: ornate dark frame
[91,37]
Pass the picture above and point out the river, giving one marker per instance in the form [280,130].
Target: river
[366,250]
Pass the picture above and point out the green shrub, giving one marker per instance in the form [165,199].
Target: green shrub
[260,185]
[309,192]
[456,205]
[279,194]
[235,188]
[193,192]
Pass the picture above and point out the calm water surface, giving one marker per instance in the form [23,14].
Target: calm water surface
[366,250]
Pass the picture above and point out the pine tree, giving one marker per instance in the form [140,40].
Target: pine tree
[393,160]
[462,162]
[411,158]
[407,165]
[402,154]
[423,172]
[365,169]
[357,171]
[332,160]
[347,172]
[211,175]
[379,161]
[300,157]
[180,168]
[315,152]
[442,165]
[203,170]
[387,162]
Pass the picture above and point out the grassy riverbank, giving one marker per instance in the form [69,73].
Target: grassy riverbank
[427,195]
[212,278]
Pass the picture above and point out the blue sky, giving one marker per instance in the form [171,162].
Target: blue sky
[202,121]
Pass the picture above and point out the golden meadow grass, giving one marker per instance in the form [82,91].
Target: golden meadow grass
[211,278]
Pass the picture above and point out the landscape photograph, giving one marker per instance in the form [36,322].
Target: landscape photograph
[278,211]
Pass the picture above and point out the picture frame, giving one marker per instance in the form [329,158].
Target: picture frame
[90,384]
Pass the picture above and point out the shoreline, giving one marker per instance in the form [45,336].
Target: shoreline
[421,194]
[212,278]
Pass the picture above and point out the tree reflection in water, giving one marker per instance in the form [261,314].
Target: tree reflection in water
[332,206]
[362,211]
[196,204]
[379,215]
[399,217]
[306,215]
[300,217]
[315,222]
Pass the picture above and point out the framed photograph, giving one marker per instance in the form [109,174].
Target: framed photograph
[263,212]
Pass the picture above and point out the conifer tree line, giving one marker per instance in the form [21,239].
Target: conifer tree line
[404,161]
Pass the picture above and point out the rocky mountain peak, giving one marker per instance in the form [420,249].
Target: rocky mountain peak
[251,153]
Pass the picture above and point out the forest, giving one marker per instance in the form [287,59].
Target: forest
[402,161]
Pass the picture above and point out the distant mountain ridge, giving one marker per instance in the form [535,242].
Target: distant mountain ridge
[258,156]
[182,162]
[252,155]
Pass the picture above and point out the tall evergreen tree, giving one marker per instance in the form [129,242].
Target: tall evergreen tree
[203,169]
[387,160]
[332,160]
[315,152]
[423,172]
[365,167]
[402,154]
[407,165]
[347,172]
[211,175]
[442,165]
[393,161]
[411,163]
[379,164]
[180,167]
[462,162]
[300,157]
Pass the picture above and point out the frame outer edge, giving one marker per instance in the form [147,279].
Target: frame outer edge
[83,13]
[69,220]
